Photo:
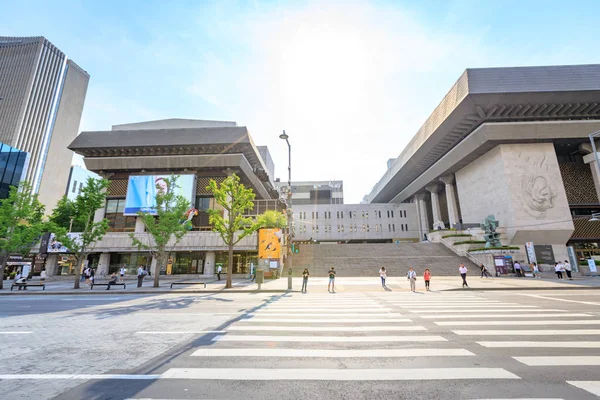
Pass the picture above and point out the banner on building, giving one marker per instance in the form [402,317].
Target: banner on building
[142,189]
[269,245]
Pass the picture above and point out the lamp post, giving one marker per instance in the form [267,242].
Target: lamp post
[288,259]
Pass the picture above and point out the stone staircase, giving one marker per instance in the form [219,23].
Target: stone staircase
[366,259]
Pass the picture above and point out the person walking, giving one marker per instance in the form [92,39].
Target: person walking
[484,271]
[304,280]
[219,269]
[43,275]
[518,269]
[82,279]
[412,278]
[141,272]
[383,276]
[331,281]
[535,269]
[463,274]
[568,270]
[122,273]
[92,274]
[558,270]
[427,278]
[112,281]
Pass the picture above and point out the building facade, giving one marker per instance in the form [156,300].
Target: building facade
[313,192]
[42,94]
[13,166]
[513,143]
[135,160]
[77,181]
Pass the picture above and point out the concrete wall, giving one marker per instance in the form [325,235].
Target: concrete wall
[521,185]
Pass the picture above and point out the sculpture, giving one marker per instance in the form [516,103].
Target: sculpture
[492,238]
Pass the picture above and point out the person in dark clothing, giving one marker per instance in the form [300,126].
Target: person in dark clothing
[484,271]
[112,281]
[304,279]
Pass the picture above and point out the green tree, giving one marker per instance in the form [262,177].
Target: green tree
[63,215]
[273,219]
[91,198]
[232,226]
[166,227]
[21,223]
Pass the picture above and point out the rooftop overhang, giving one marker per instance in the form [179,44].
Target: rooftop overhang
[166,163]
[493,95]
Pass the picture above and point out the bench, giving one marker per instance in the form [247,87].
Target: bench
[26,285]
[268,275]
[188,283]
[106,284]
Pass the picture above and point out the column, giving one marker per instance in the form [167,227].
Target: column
[52,265]
[591,160]
[209,264]
[139,225]
[103,263]
[451,199]
[423,214]
[434,188]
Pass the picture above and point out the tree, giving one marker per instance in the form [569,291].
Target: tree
[63,216]
[21,223]
[273,219]
[232,226]
[166,226]
[91,198]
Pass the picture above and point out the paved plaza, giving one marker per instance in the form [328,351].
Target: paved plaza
[393,344]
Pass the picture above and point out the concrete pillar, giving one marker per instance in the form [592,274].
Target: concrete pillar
[103,264]
[52,265]
[434,188]
[139,225]
[591,160]
[209,264]
[422,206]
[451,199]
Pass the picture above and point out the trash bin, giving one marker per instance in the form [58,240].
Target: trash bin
[260,276]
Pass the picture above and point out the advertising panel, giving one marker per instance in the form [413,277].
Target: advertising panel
[269,245]
[141,191]
[544,254]
[54,246]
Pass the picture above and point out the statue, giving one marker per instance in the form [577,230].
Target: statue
[492,238]
[439,225]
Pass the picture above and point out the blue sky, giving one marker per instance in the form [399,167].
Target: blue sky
[350,81]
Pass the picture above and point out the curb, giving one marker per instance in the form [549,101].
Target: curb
[113,292]
[526,288]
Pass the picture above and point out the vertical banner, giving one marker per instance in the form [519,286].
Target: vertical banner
[573,258]
[592,266]
[269,245]
[530,252]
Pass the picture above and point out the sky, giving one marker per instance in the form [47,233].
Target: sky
[351,82]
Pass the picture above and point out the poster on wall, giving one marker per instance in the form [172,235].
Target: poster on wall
[269,245]
[54,246]
[529,248]
[544,254]
[142,189]
[592,266]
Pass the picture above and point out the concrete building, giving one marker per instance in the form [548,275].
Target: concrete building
[512,142]
[77,180]
[134,153]
[13,166]
[42,94]
[313,192]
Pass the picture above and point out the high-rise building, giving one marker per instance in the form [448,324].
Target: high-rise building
[13,165]
[42,94]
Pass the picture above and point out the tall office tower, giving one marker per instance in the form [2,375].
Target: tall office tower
[42,94]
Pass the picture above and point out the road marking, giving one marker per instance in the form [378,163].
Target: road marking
[474,306]
[416,302]
[527,332]
[537,296]
[326,320]
[76,377]
[295,374]
[325,316]
[327,309]
[16,332]
[484,310]
[175,332]
[327,339]
[326,328]
[528,315]
[589,386]
[544,322]
[555,361]
[539,344]
[362,353]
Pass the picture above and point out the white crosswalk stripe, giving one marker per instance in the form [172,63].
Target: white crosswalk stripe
[328,339]
[527,332]
[541,344]
[325,328]
[590,386]
[528,315]
[327,320]
[553,361]
[519,323]
[362,353]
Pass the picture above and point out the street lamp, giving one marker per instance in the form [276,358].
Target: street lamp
[288,259]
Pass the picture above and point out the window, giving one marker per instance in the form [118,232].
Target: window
[392,213]
[406,226]
[117,222]
[376,228]
[402,226]
[363,214]
[404,213]
[366,214]
[342,228]
[389,227]
[367,228]
[394,227]
[341,214]
[74,187]
[388,213]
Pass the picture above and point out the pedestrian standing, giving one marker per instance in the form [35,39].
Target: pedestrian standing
[82,275]
[412,278]
[484,271]
[140,276]
[518,269]
[219,269]
[535,269]
[383,276]
[122,273]
[252,272]
[463,274]
[558,270]
[568,270]
[427,278]
[331,281]
[43,275]
[304,279]
[87,275]
[92,274]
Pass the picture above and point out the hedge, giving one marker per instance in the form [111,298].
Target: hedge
[495,248]
[456,235]
[471,242]
[442,230]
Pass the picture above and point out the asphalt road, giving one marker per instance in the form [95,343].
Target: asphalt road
[351,345]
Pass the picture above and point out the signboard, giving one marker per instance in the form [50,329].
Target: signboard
[592,265]
[500,263]
[544,254]
[269,245]
[44,243]
[529,248]
[54,246]
[142,189]
[573,258]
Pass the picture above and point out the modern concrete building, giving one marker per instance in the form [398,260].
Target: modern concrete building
[197,151]
[313,192]
[42,94]
[511,142]
[77,181]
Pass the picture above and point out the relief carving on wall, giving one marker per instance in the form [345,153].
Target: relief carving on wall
[538,185]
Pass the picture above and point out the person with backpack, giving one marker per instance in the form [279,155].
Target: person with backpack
[412,278]
[383,276]
[331,285]
[427,278]
[484,271]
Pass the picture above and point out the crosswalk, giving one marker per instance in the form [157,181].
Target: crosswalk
[446,336]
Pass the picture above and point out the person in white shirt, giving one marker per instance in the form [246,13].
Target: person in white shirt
[558,269]
[568,270]
[412,278]
[518,271]
[463,274]
[383,276]
[43,275]
[141,272]
[122,273]
[219,269]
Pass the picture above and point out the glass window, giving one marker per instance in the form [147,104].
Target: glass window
[80,186]
[111,206]
[392,213]
[74,187]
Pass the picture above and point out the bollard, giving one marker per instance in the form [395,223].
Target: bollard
[290,279]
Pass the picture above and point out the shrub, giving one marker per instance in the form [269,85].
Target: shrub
[442,230]
[495,248]
[470,242]
[456,235]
